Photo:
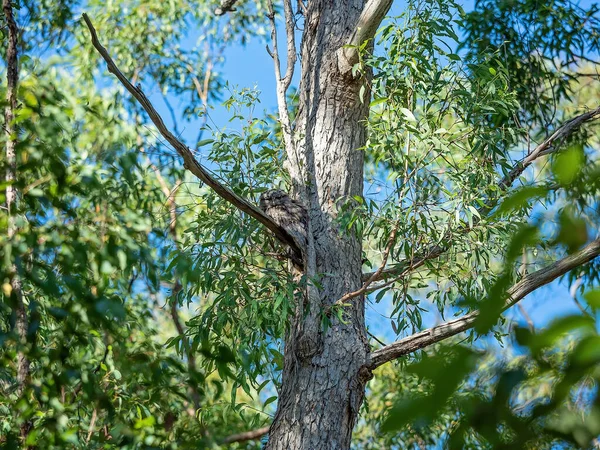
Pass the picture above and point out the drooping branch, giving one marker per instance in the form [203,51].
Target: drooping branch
[225,7]
[371,17]
[189,161]
[393,274]
[518,291]
[246,436]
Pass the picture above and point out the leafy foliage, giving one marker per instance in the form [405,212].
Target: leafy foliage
[447,129]
[157,311]
[93,248]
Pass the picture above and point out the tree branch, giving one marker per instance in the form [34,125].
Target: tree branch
[189,161]
[246,436]
[12,196]
[291,44]
[367,283]
[528,284]
[371,17]
[548,146]
[225,7]
[283,83]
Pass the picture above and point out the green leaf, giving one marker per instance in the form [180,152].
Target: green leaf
[520,199]
[593,299]
[378,101]
[269,401]
[204,142]
[408,114]
[361,93]
[568,163]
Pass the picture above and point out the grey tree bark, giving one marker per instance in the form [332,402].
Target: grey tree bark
[323,384]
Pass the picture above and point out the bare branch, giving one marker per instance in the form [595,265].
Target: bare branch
[551,144]
[283,83]
[189,161]
[526,285]
[371,17]
[225,7]
[92,424]
[365,286]
[246,436]
[291,43]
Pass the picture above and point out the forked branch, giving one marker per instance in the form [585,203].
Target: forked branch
[371,17]
[517,292]
[189,161]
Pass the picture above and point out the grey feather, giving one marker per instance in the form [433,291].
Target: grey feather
[287,213]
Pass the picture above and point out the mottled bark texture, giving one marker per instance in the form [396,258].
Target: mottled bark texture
[323,384]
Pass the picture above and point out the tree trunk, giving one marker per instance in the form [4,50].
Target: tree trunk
[323,378]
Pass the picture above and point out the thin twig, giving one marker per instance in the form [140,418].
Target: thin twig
[91,427]
[365,286]
[573,292]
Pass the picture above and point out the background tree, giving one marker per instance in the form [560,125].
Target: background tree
[421,159]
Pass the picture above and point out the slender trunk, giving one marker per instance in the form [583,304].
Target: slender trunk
[324,379]
[12,76]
